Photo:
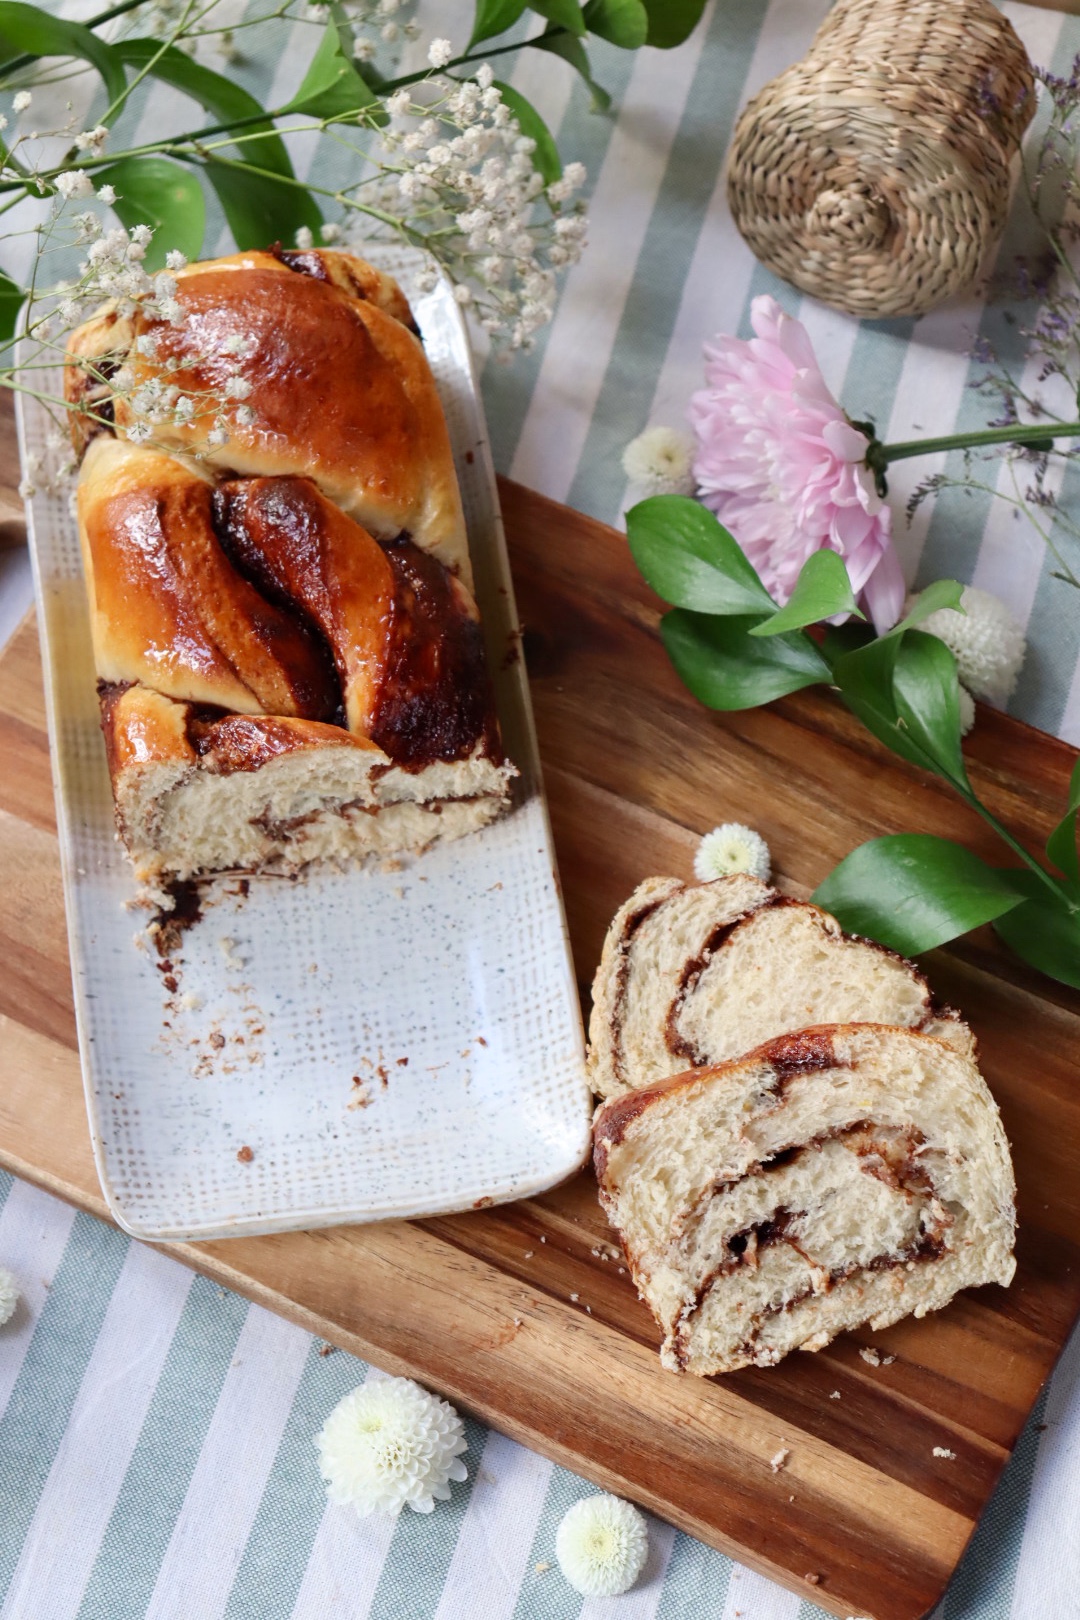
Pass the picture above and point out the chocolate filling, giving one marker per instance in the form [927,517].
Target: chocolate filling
[890,1154]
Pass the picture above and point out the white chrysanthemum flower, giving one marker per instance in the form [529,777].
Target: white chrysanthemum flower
[967,711]
[987,641]
[602,1544]
[729,849]
[389,1443]
[9,1296]
[660,461]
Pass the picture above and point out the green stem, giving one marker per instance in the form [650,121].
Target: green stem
[879,456]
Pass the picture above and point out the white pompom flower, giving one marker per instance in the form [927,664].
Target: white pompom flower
[729,849]
[967,711]
[390,1444]
[602,1544]
[9,1296]
[660,462]
[986,640]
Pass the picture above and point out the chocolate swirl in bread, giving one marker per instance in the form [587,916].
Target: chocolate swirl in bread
[836,1177]
[698,974]
[278,682]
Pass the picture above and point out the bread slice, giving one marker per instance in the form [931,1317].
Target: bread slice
[840,1176]
[695,975]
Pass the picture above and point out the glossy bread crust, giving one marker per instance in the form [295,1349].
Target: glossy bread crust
[341,392]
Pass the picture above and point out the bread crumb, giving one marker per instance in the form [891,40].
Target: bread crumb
[542,1567]
[245,1154]
[887,1361]
[517,1321]
[574,1298]
[327,1349]
[543,1239]
[812,1580]
[777,1462]
[943,1451]
[529,1253]
[835,1396]
[870,1355]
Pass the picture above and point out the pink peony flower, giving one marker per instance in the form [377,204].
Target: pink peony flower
[782,467]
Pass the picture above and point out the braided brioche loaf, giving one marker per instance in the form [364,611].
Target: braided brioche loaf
[697,974]
[289,655]
[839,1176]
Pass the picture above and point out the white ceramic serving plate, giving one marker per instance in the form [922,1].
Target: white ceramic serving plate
[387,1043]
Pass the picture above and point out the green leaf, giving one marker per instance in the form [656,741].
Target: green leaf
[546,160]
[912,891]
[226,101]
[331,87]
[822,590]
[726,668]
[494,17]
[943,593]
[1042,932]
[623,22]
[563,13]
[560,43]
[672,21]
[27,31]
[12,298]
[1061,845]
[691,560]
[261,209]
[927,692]
[905,691]
[152,191]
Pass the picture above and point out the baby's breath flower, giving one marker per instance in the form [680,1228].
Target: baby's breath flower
[967,711]
[92,140]
[390,1444]
[107,195]
[732,848]
[237,388]
[245,415]
[660,462]
[331,232]
[175,260]
[22,101]
[73,183]
[399,103]
[440,53]
[9,1295]
[602,1544]
[304,239]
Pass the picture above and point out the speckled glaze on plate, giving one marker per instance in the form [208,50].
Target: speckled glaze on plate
[352,1046]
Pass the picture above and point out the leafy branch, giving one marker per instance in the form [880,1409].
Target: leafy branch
[734,648]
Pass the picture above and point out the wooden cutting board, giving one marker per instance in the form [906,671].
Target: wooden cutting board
[517,1313]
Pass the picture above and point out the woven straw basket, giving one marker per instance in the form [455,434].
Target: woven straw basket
[874,174]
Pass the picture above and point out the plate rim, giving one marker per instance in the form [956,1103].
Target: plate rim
[325,1218]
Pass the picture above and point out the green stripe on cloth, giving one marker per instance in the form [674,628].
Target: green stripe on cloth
[33,1424]
[648,319]
[696,1582]
[415,1570]
[157,1477]
[544,1593]
[272,1568]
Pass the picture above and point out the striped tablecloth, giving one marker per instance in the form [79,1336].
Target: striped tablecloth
[156,1453]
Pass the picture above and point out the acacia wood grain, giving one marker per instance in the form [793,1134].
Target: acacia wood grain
[635,771]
